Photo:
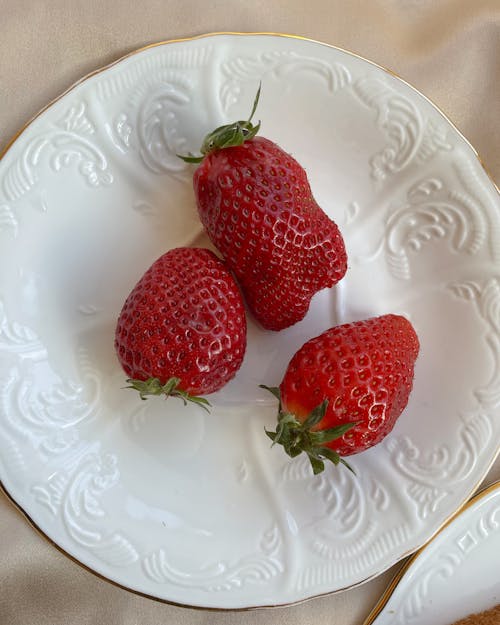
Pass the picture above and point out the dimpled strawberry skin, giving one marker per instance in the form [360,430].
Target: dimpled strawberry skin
[257,207]
[365,369]
[185,318]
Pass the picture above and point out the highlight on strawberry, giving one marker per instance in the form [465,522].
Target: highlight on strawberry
[182,330]
[343,390]
[256,204]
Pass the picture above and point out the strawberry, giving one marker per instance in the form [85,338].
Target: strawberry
[344,390]
[182,329]
[257,207]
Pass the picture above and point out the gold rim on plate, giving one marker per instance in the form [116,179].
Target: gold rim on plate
[11,499]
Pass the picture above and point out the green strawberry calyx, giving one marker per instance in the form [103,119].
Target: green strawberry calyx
[227,136]
[153,386]
[298,437]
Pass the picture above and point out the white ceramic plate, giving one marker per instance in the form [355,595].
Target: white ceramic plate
[197,509]
[454,575]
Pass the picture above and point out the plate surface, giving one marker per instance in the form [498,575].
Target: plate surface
[455,575]
[195,508]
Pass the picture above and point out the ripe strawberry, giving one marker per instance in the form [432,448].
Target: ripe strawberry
[182,329]
[344,390]
[257,207]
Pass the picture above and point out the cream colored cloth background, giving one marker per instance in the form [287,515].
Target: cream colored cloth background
[448,49]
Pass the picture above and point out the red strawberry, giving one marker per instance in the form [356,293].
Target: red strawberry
[344,390]
[182,329]
[257,207]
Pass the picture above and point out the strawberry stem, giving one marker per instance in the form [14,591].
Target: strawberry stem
[297,437]
[227,136]
[153,386]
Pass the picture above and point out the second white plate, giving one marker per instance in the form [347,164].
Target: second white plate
[453,576]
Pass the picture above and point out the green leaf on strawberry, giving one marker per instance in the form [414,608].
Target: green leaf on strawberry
[227,136]
[153,386]
[297,437]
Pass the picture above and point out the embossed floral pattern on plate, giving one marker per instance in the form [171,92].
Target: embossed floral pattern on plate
[195,508]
